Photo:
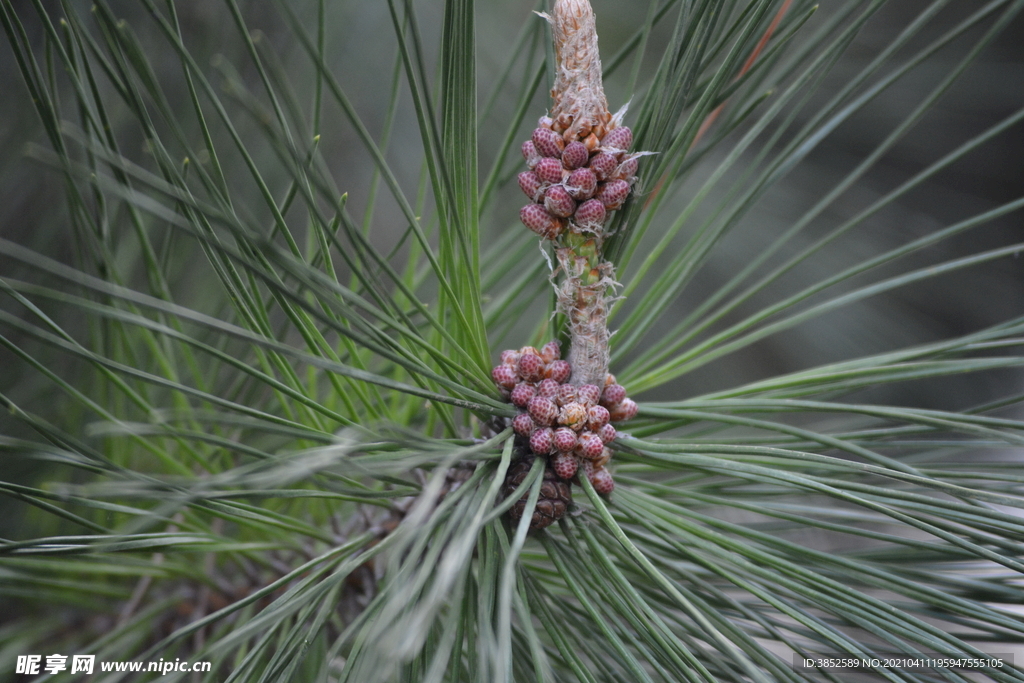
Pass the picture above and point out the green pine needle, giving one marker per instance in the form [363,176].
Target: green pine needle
[260,260]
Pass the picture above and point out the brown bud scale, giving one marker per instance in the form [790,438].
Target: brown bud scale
[554,501]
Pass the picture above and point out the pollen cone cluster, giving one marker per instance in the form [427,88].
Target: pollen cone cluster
[568,425]
[580,166]
[575,185]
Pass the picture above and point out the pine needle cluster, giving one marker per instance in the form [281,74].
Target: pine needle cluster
[254,280]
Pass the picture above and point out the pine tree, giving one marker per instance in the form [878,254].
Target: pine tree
[257,412]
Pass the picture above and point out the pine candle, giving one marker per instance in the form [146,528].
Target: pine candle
[580,171]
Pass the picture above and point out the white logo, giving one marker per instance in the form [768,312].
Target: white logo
[83,664]
[28,664]
[56,663]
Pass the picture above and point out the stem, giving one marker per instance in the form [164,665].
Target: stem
[582,298]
